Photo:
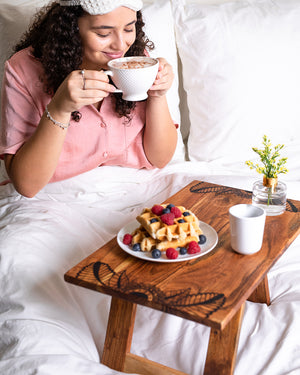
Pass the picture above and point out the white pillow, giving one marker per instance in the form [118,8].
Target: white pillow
[241,72]
[15,16]
[159,27]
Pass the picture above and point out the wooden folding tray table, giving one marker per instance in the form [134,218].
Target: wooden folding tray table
[210,289]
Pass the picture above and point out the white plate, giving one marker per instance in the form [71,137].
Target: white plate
[208,231]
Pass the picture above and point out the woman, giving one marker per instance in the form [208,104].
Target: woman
[60,114]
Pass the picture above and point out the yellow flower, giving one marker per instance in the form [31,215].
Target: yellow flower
[270,168]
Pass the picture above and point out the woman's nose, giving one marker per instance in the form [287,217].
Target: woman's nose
[119,42]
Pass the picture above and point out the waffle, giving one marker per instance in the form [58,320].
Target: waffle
[154,233]
[141,236]
[147,243]
[162,232]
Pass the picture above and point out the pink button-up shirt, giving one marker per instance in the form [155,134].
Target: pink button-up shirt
[99,138]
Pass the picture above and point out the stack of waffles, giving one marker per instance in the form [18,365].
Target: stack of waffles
[161,231]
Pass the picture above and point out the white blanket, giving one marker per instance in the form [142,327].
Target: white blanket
[51,327]
[240,74]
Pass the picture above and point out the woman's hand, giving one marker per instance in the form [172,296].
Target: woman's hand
[159,124]
[164,79]
[80,89]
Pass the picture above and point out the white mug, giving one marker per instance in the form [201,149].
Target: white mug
[247,224]
[133,76]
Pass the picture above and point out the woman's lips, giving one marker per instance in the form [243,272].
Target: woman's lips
[113,55]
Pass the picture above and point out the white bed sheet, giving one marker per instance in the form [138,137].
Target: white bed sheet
[48,326]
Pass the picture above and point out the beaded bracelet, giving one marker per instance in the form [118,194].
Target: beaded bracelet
[57,123]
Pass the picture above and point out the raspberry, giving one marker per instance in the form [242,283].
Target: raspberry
[171,253]
[157,209]
[176,211]
[127,239]
[193,247]
[168,218]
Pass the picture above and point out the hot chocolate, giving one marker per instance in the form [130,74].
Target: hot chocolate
[133,76]
[132,64]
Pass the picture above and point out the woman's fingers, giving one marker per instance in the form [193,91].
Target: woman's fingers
[80,88]
[164,79]
[92,80]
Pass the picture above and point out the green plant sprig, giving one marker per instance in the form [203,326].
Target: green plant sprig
[271,167]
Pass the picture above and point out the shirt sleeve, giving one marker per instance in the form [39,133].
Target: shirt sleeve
[20,114]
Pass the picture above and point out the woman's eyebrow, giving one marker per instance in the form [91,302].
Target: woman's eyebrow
[112,27]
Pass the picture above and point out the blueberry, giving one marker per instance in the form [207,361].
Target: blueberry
[169,206]
[182,250]
[202,239]
[156,253]
[136,247]
[186,213]
[166,210]
[153,221]
[181,221]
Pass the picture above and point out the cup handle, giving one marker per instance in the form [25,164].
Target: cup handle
[110,73]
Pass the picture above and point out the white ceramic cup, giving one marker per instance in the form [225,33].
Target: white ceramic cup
[133,82]
[247,224]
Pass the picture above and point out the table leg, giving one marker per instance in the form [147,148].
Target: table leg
[116,352]
[222,347]
[261,293]
[119,333]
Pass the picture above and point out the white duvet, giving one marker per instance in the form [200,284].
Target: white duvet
[48,326]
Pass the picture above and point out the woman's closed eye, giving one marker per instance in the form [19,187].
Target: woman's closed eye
[129,30]
[101,35]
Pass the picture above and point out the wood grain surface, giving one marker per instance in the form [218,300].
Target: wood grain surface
[209,289]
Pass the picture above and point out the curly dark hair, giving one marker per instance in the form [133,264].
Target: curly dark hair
[56,42]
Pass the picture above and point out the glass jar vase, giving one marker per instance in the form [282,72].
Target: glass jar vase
[270,195]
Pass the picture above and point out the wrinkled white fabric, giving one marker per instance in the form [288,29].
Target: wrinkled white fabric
[49,326]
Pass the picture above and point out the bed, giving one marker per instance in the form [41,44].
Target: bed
[237,78]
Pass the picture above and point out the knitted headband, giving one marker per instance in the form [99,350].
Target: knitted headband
[98,7]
